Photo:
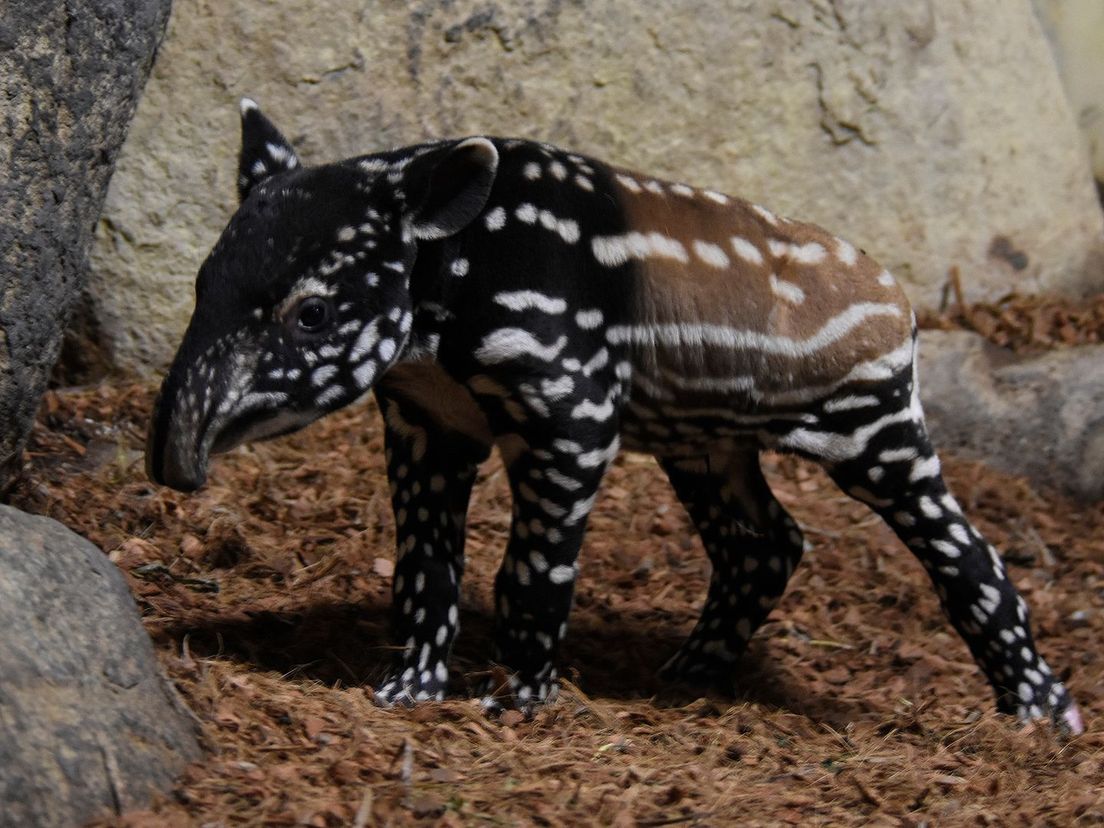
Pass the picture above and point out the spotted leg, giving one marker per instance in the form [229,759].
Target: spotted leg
[554,488]
[431,471]
[890,465]
[754,546]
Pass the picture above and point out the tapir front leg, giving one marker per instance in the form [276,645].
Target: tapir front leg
[431,472]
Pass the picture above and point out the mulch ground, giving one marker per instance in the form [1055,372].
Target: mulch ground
[266,594]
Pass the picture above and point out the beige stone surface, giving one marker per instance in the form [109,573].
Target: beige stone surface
[932,133]
[1075,29]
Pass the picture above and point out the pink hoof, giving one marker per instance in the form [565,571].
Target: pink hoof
[1072,717]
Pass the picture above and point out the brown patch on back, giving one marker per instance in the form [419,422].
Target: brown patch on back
[806,294]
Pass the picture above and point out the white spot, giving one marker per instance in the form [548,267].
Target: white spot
[746,250]
[927,467]
[364,374]
[322,375]
[562,480]
[713,195]
[495,219]
[588,319]
[765,214]
[329,395]
[583,183]
[365,342]
[959,534]
[682,190]
[786,291]
[629,183]
[991,598]
[459,267]
[811,253]
[521,571]
[846,252]
[527,213]
[558,170]
[885,278]
[930,508]
[532,171]
[387,349]
[561,574]
[587,410]
[710,253]
[599,457]
[948,549]
[558,388]
[346,234]
[568,230]
[654,187]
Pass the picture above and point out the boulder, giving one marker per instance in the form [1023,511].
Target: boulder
[88,726]
[70,74]
[1039,416]
[931,133]
[1075,29]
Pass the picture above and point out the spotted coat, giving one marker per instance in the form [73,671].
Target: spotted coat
[507,293]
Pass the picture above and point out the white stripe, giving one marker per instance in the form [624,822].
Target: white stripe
[520,300]
[851,402]
[831,446]
[506,344]
[613,251]
[723,336]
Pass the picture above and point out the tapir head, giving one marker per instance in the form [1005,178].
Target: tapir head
[304,301]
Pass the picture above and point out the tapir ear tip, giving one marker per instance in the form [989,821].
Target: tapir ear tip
[483,147]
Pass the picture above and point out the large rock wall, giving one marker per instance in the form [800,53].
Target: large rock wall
[70,75]
[932,133]
[1075,29]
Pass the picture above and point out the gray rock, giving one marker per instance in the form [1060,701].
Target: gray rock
[931,133]
[70,75]
[88,726]
[1040,416]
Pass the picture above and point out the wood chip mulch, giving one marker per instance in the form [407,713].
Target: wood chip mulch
[266,594]
[1026,324]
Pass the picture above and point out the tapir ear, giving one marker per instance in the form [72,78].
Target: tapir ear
[447,188]
[264,151]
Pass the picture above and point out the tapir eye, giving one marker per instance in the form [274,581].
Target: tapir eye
[312,314]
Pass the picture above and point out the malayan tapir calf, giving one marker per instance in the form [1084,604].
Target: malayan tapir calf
[508,293]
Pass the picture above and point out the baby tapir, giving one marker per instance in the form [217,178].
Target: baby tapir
[507,293]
